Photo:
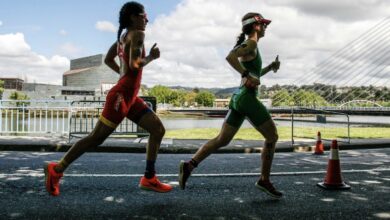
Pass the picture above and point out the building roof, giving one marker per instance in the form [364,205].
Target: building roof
[10,78]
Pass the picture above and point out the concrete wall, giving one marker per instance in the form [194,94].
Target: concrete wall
[85,62]
[91,78]
[89,72]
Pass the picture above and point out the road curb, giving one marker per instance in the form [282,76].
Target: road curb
[175,146]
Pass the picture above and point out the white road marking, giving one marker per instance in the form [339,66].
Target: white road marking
[38,174]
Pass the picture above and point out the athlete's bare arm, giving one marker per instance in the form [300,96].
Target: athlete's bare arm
[110,58]
[137,44]
[275,65]
[135,50]
[239,52]
[243,51]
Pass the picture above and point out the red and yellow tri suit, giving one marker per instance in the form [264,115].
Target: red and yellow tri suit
[122,100]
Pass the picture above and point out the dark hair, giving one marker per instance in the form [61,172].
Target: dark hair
[246,29]
[128,9]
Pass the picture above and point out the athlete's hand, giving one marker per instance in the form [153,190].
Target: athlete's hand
[251,82]
[275,65]
[154,51]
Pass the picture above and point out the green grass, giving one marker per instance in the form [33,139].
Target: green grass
[284,133]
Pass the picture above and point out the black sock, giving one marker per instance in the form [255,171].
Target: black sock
[150,171]
[193,163]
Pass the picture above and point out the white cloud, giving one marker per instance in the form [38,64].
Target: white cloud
[105,26]
[194,40]
[1,23]
[346,10]
[70,50]
[63,32]
[17,58]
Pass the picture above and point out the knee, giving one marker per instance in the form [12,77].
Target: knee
[158,131]
[222,141]
[95,140]
[272,138]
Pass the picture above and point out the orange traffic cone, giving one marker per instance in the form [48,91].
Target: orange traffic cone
[319,145]
[333,179]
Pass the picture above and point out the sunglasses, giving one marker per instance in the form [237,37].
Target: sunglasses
[143,15]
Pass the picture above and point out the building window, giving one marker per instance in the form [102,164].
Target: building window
[78,92]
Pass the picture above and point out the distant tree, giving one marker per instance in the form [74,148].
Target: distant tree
[19,96]
[282,98]
[205,98]
[1,89]
[308,98]
[189,98]
[263,93]
[162,93]
[196,90]
[144,90]
[177,97]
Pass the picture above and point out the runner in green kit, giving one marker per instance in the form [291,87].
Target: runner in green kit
[245,58]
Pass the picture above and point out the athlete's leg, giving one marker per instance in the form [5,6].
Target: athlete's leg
[54,171]
[268,130]
[224,137]
[94,139]
[260,118]
[151,123]
[230,127]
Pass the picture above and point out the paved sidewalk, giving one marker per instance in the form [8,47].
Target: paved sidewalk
[137,145]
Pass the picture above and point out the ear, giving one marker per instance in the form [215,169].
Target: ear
[256,26]
[133,18]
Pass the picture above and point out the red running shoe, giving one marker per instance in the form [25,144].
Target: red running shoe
[154,184]
[52,179]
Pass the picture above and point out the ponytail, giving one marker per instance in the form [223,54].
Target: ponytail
[246,29]
[119,33]
[128,9]
[240,39]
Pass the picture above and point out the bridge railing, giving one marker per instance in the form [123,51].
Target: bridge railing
[34,117]
[331,125]
[62,118]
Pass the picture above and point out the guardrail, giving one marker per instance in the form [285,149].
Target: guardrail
[320,123]
[34,117]
[72,118]
[85,114]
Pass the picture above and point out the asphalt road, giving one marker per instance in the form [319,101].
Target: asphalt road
[105,186]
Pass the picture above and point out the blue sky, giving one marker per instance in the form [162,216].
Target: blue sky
[38,38]
[42,20]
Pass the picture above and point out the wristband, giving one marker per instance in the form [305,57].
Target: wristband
[245,74]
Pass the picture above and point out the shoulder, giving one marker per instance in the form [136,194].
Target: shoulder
[136,38]
[250,44]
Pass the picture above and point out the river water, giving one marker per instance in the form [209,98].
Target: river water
[173,122]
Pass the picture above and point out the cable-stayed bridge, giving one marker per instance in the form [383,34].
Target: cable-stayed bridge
[364,61]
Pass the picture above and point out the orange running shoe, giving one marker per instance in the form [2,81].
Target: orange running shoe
[52,179]
[154,184]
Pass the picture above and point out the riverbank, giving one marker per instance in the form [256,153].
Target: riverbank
[284,133]
[172,146]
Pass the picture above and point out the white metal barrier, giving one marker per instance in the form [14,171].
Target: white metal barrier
[48,117]
[334,125]
[34,117]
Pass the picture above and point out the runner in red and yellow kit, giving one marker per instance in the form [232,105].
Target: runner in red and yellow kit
[122,101]
[244,58]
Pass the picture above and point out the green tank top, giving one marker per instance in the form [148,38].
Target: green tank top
[254,66]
